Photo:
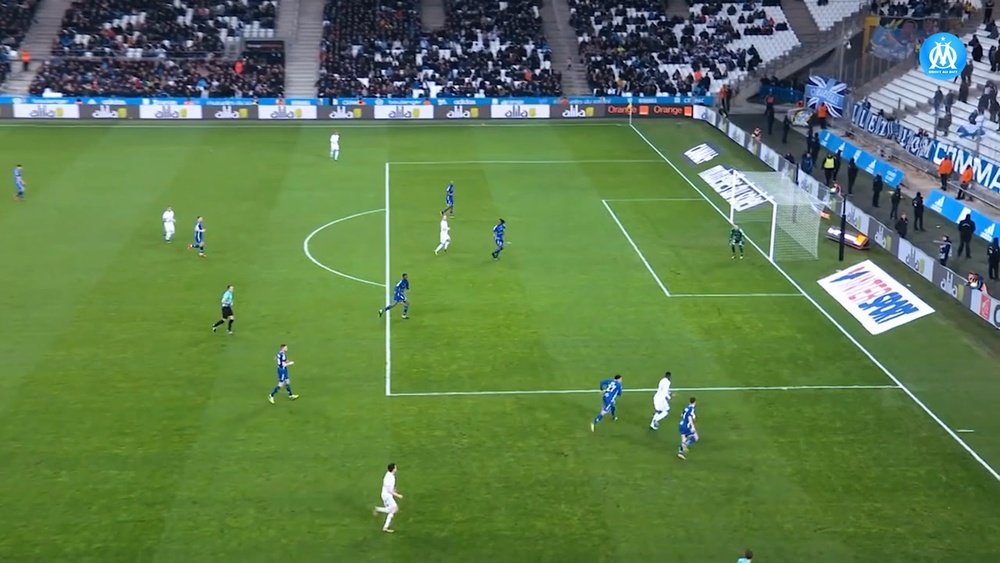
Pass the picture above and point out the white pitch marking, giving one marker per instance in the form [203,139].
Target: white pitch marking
[539,162]
[736,295]
[964,431]
[388,284]
[954,436]
[650,390]
[652,272]
[305,247]
[643,199]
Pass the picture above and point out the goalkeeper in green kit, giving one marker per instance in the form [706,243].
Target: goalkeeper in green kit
[736,240]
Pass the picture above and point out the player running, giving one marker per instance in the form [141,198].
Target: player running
[689,434]
[169,224]
[736,240]
[282,361]
[18,183]
[499,230]
[661,402]
[335,146]
[445,238]
[199,236]
[227,310]
[399,296]
[449,199]
[389,496]
[611,389]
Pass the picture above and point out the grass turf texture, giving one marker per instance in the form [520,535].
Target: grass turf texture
[133,433]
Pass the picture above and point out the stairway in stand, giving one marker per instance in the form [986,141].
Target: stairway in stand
[300,25]
[41,34]
[562,40]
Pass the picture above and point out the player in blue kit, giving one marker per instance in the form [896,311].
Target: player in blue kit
[282,361]
[689,434]
[498,232]
[399,296]
[611,389]
[18,183]
[199,236]
[449,199]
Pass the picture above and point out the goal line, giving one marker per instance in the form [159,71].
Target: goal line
[647,390]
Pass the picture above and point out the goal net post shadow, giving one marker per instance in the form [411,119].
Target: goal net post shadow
[792,215]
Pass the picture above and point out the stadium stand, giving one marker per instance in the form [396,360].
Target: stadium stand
[256,76]
[490,48]
[15,19]
[910,99]
[828,13]
[634,47]
[181,28]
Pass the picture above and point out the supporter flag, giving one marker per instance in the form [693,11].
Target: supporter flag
[829,91]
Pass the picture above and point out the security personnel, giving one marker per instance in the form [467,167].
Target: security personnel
[993,258]
[837,158]
[829,163]
[852,175]
[894,199]
[965,183]
[966,228]
[944,171]
[876,189]
[918,213]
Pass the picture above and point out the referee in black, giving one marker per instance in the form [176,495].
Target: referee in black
[227,310]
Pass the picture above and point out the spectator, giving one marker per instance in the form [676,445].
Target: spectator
[944,250]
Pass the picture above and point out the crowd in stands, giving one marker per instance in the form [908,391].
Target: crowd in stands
[188,28]
[15,18]
[490,48]
[633,46]
[254,76]
[921,8]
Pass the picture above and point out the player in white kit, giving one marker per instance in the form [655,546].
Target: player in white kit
[445,239]
[389,496]
[661,402]
[168,224]
[335,146]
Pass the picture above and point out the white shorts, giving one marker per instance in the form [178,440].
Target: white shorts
[389,502]
[169,228]
[445,239]
[334,148]
[660,404]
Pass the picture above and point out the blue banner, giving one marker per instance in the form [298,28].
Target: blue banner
[891,175]
[93,101]
[954,211]
[985,171]
[829,91]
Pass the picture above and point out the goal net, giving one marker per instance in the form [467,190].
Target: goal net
[772,201]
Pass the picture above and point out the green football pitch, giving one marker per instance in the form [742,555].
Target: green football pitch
[132,432]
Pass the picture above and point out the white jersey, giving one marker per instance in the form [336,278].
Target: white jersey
[388,484]
[444,227]
[663,390]
[168,217]
[334,141]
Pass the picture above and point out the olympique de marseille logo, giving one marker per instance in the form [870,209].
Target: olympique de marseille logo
[943,56]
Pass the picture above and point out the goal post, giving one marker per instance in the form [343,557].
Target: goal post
[772,201]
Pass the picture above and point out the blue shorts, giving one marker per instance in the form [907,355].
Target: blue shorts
[282,375]
[608,405]
[449,201]
[686,431]
[199,240]
[398,298]
[499,242]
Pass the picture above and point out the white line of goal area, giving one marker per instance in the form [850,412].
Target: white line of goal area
[649,390]
[871,357]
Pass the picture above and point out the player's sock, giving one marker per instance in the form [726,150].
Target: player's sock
[439,248]
[406,310]
[289,389]
[230,325]
[275,390]
[614,412]
[598,418]
[387,307]
[336,155]
[388,520]
[218,324]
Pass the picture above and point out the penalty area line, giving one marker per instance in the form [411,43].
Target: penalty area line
[645,390]
[736,295]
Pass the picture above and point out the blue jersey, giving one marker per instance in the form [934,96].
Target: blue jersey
[449,194]
[611,388]
[399,293]
[18,179]
[686,426]
[227,299]
[280,359]
[199,231]
[498,232]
